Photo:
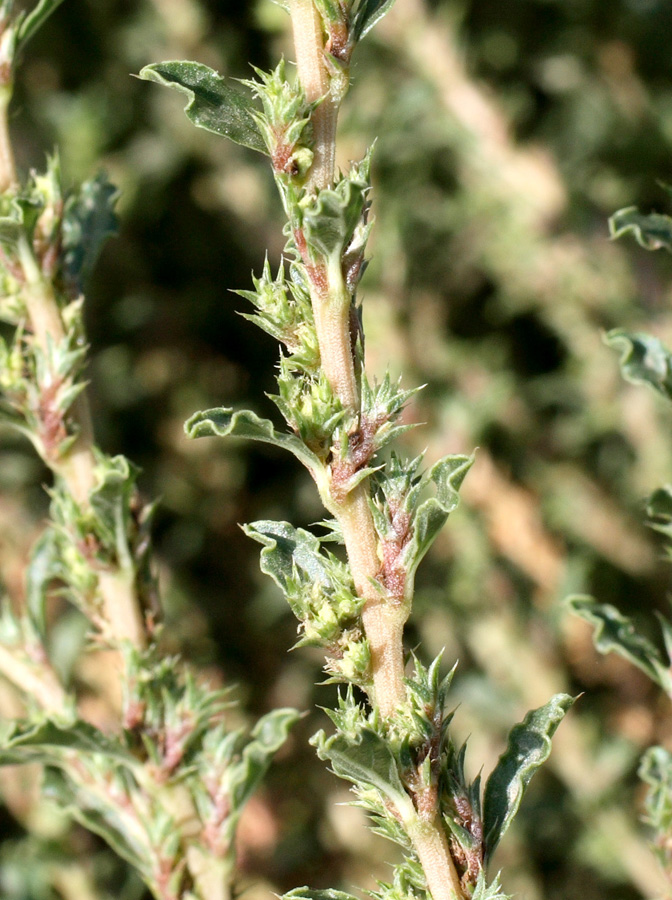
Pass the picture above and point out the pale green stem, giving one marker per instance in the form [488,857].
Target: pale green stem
[429,842]
[383,625]
[314,78]
[383,622]
[77,466]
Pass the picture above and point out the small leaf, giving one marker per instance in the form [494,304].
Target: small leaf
[35,20]
[269,734]
[368,14]
[46,742]
[651,231]
[529,746]
[644,360]
[212,104]
[111,501]
[286,547]
[88,221]
[615,633]
[45,565]
[305,893]
[366,762]
[222,422]
[447,476]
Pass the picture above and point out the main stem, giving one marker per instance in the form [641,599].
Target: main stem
[383,621]
[383,625]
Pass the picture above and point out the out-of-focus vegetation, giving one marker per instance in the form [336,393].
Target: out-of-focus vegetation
[507,134]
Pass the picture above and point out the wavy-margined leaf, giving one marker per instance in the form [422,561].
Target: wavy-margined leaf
[89,220]
[306,893]
[446,476]
[333,214]
[644,360]
[528,747]
[111,503]
[368,14]
[45,565]
[224,422]
[615,633]
[34,20]
[244,776]
[367,762]
[212,104]
[285,549]
[47,741]
[651,231]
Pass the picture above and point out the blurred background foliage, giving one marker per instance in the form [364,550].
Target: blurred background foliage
[507,134]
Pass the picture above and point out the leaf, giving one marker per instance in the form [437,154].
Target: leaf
[224,422]
[212,104]
[644,360]
[47,741]
[651,231]
[88,221]
[286,547]
[111,502]
[368,14]
[529,746]
[35,19]
[45,565]
[332,215]
[269,734]
[306,893]
[616,633]
[430,517]
[367,762]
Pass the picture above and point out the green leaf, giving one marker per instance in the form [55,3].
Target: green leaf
[651,231]
[224,422]
[88,221]
[35,20]
[286,548]
[331,216]
[615,633]
[45,565]
[447,476]
[47,741]
[367,762]
[111,502]
[269,734]
[368,14]
[212,104]
[529,746]
[306,893]
[644,360]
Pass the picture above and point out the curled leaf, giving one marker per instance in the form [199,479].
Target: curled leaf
[644,360]
[529,746]
[224,422]
[212,104]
